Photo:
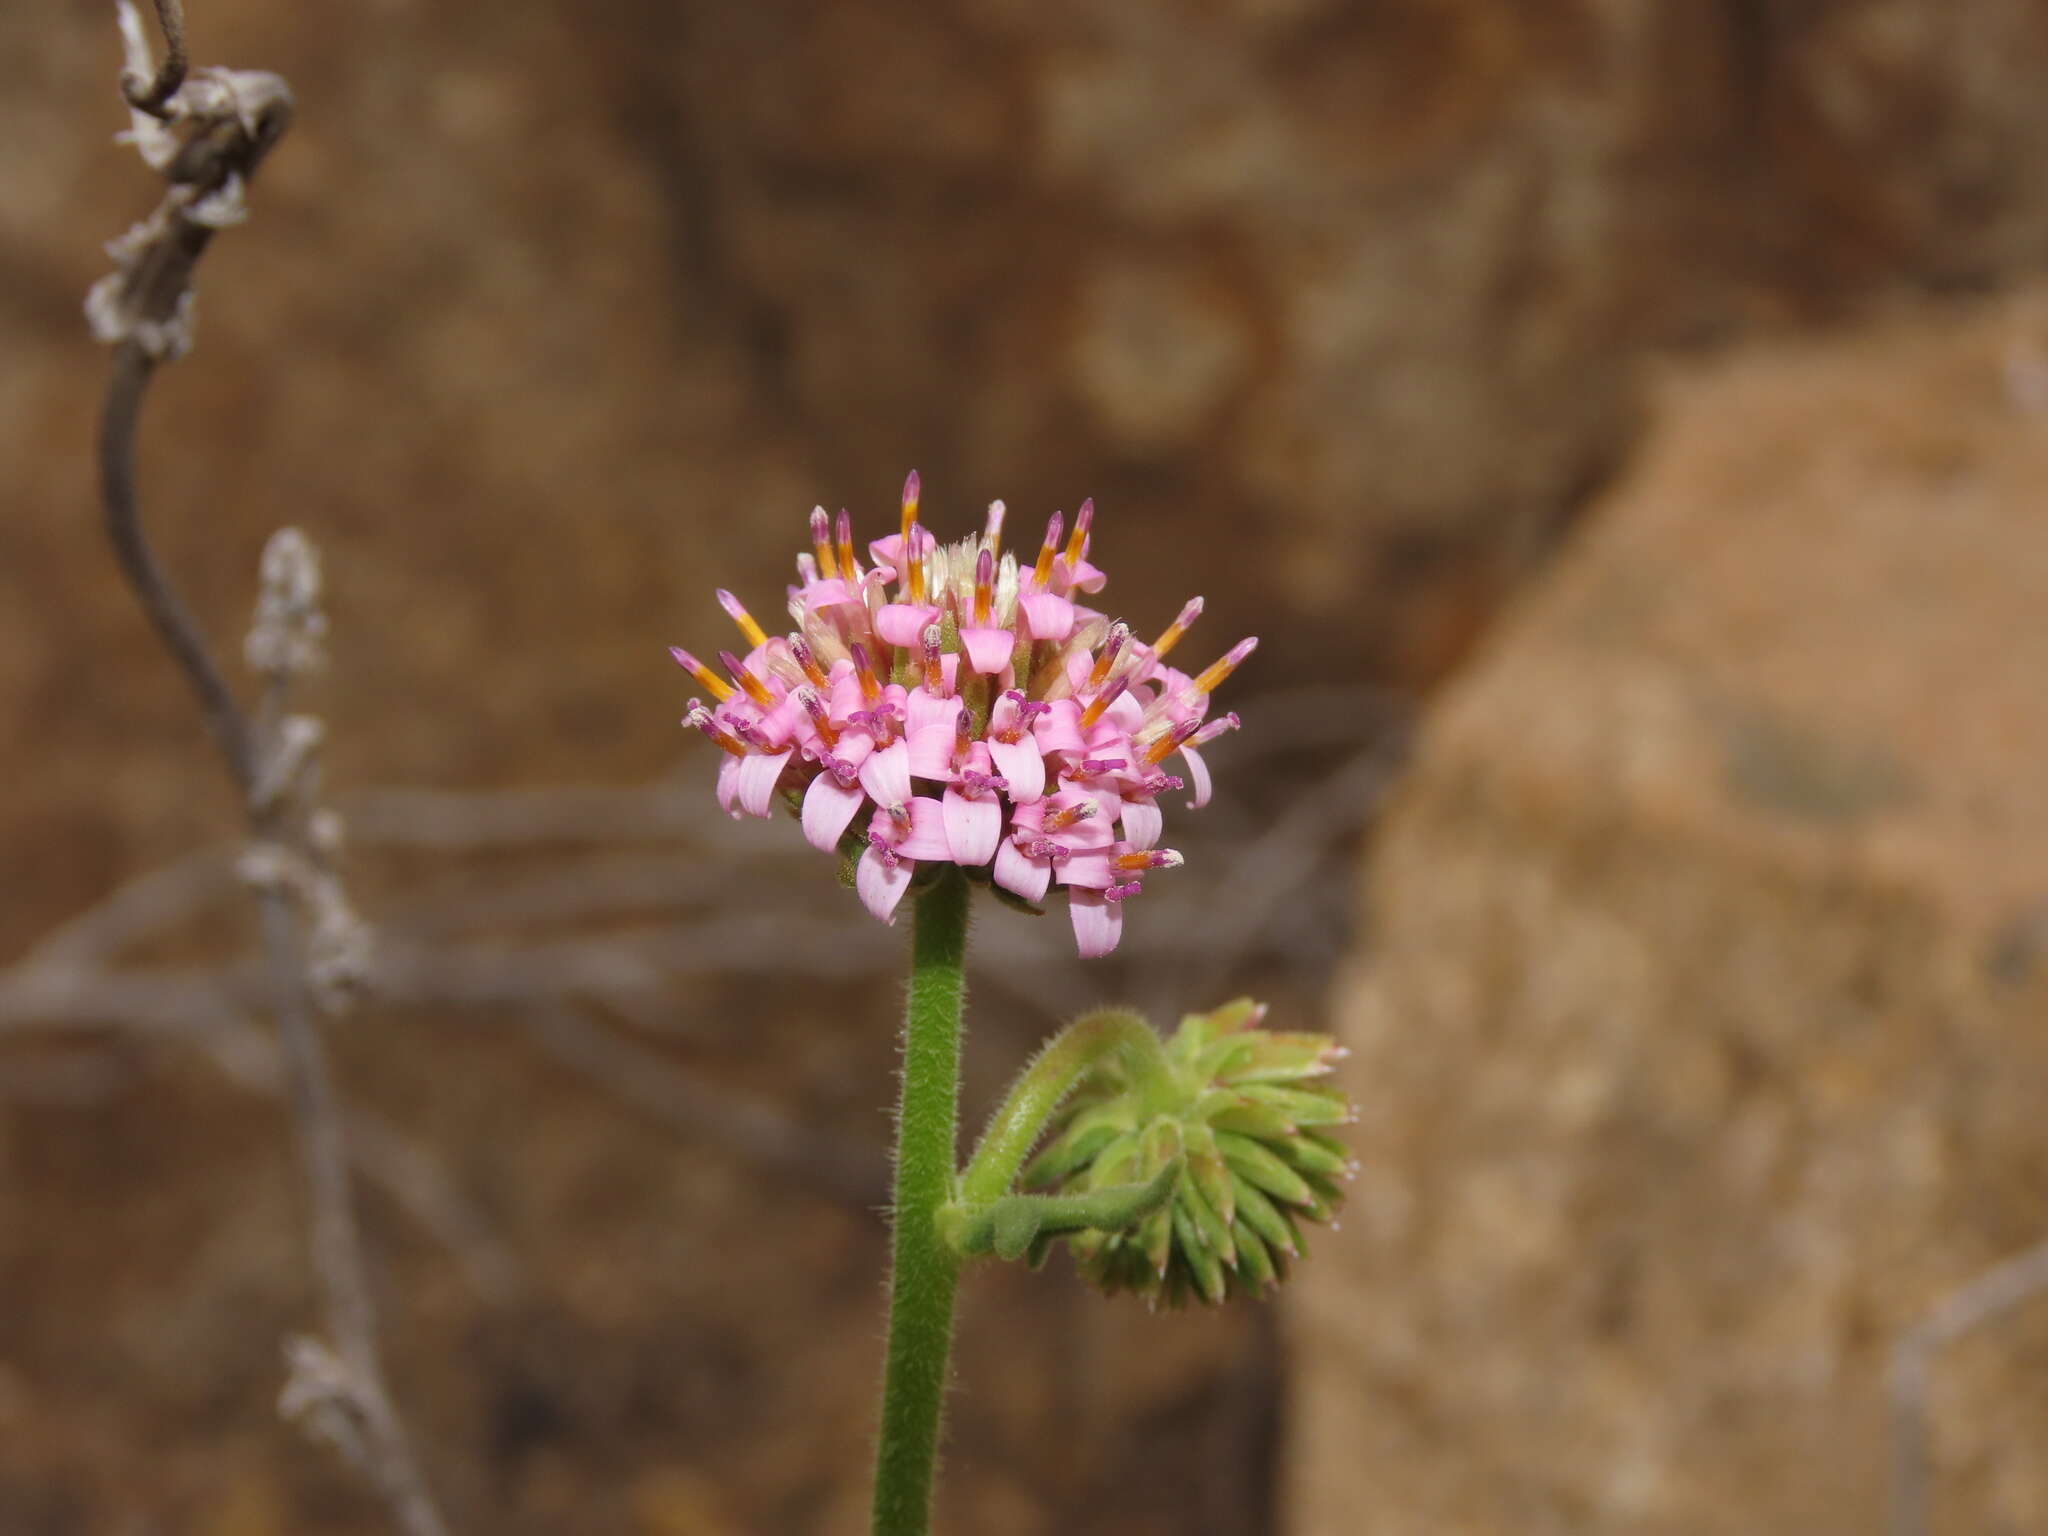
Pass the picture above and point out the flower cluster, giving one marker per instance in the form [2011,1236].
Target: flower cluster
[947,704]
[1244,1111]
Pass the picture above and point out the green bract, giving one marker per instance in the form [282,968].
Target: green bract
[1244,1113]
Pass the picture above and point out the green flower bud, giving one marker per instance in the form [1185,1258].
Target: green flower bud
[1239,1111]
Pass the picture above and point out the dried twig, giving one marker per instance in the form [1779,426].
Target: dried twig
[1983,1300]
[207,134]
[142,90]
[653,1084]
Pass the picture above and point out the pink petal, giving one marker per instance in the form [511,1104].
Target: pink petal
[931,752]
[1125,713]
[1021,763]
[974,827]
[787,721]
[886,775]
[756,780]
[829,808]
[988,649]
[1047,616]
[728,783]
[932,726]
[1143,822]
[881,885]
[922,710]
[1016,871]
[927,836]
[1098,924]
[1059,728]
[887,553]
[843,690]
[1198,775]
[1087,868]
[854,748]
[904,624]
[829,592]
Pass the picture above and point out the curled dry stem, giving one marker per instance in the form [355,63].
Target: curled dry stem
[206,134]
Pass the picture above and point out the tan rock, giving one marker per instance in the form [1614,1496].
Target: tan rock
[1700,1046]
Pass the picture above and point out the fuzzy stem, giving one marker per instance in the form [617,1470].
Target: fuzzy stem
[1044,1085]
[925,1271]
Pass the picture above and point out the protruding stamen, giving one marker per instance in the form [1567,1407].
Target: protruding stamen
[821,543]
[911,486]
[754,633]
[870,685]
[1104,699]
[849,568]
[1042,572]
[913,561]
[934,672]
[1147,858]
[1077,546]
[1221,668]
[1170,742]
[1090,766]
[879,723]
[992,530]
[1119,633]
[701,718]
[1067,815]
[1167,641]
[1213,729]
[709,680]
[801,652]
[899,817]
[963,737]
[820,716]
[756,689]
[984,586]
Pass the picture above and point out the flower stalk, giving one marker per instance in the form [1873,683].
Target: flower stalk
[1043,1087]
[924,1272]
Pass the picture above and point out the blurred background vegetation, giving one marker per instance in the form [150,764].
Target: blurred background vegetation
[551,318]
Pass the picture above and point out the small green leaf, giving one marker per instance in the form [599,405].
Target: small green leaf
[1233,1110]
[1202,1260]
[1214,1230]
[1154,1238]
[1313,1152]
[1264,1056]
[1264,1168]
[1075,1148]
[1303,1105]
[1263,1217]
[1255,1261]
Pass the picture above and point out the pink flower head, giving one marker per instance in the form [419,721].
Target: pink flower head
[949,704]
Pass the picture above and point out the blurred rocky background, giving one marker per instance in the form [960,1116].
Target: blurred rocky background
[553,317]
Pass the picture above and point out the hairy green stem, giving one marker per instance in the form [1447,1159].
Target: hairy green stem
[925,1271]
[1041,1088]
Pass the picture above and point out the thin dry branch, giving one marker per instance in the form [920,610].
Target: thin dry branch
[207,135]
[1992,1295]
[656,1086]
[151,92]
